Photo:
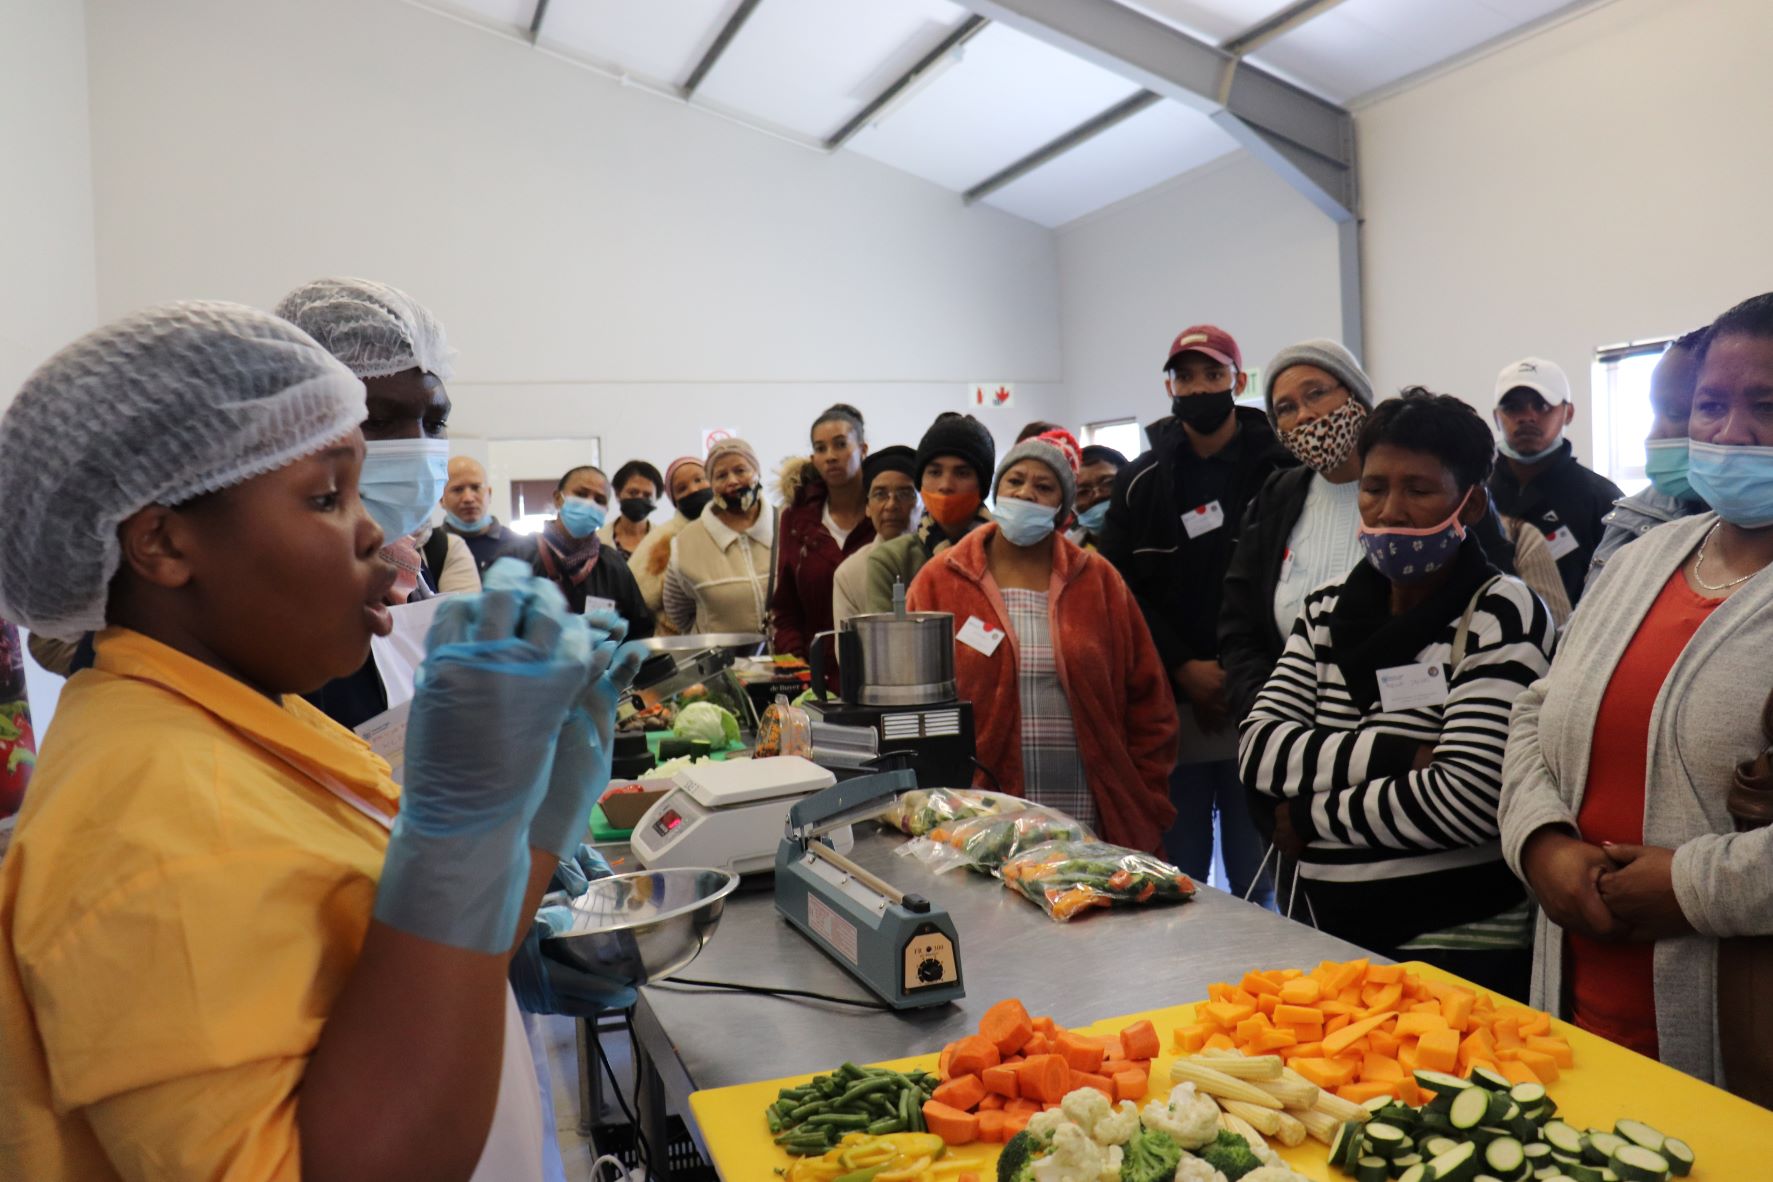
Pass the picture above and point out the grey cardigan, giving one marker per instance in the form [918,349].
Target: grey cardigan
[1706,719]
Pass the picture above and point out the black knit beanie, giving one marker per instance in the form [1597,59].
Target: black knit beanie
[959,435]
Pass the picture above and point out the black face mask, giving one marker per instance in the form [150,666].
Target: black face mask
[637,509]
[1204,412]
[742,501]
[692,504]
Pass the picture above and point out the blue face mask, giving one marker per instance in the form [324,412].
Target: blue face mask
[1412,555]
[1093,518]
[1736,481]
[1023,523]
[401,482]
[581,517]
[1665,463]
[467,527]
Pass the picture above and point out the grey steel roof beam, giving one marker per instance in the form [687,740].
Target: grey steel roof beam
[957,37]
[1083,132]
[1308,141]
[1278,25]
[722,40]
[535,22]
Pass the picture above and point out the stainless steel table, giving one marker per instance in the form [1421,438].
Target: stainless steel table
[1107,963]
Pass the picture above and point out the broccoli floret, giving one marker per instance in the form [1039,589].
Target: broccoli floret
[1016,1163]
[1230,1154]
[1150,1157]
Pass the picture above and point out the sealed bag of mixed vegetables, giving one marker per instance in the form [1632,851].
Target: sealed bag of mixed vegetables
[984,843]
[923,809]
[1070,877]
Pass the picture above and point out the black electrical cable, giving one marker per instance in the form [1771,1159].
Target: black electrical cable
[768,991]
[609,1071]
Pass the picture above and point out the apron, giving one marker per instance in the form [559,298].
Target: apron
[513,1149]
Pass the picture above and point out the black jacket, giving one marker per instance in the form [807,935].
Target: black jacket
[1564,494]
[609,579]
[1178,580]
[1250,643]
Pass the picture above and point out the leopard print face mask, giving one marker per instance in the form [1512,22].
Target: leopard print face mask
[1324,442]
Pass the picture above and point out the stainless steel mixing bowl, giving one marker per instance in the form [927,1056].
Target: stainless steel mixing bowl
[636,928]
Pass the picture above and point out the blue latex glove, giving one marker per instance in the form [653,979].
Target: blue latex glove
[546,986]
[500,672]
[586,746]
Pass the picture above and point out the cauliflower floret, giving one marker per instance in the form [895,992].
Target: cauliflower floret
[1274,1173]
[1045,1124]
[1117,1127]
[1191,1118]
[1193,1169]
[1075,1158]
[1084,1107]
[1111,1163]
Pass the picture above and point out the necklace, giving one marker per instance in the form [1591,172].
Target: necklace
[1699,564]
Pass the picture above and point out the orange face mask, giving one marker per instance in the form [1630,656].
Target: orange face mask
[952,509]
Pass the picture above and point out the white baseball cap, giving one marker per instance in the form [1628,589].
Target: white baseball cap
[1545,378]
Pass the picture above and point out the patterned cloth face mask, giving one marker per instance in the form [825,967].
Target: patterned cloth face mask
[1325,441]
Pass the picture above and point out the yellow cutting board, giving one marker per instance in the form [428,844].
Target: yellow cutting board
[1732,1139]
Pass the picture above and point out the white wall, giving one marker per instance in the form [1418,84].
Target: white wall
[1604,181]
[1228,244]
[47,284]
[607,263]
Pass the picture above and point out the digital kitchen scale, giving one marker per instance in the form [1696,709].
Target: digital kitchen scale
[729,815]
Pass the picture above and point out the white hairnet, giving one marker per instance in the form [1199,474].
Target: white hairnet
[155,409]
[375,329]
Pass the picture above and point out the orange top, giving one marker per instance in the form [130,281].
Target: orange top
[1612,985]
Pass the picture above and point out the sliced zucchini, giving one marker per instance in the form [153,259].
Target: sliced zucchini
[1440,1081]
[1607,1174]
[1639,1133]
[1495,1081]
[1416,1173]
[1458,1164]
[1583,1173]
[1599,1148]
[1563,1138]
[1505,1156]
[1634,1163]
[1435,1146]
[1386,1140]
[1484,1134]
[1679,1155]
[1435,1122]
[1378,1104]
[1346,1132]
[1469,1108]
[1372,1169]
[1538,1153]
[1526,1095]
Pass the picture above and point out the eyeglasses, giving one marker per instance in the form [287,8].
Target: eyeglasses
[1314,399]
[900,496]
[1096,488]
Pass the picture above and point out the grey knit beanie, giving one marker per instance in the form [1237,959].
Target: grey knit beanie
[1328,356]
[1058,451]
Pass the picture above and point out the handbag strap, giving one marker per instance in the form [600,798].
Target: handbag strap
[1462,634]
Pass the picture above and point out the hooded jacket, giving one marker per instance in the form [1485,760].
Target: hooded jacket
[1121,707]
[807,558]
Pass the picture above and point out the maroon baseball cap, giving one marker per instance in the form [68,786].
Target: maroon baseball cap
[1210,339]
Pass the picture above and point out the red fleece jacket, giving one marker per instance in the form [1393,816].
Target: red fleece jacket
[1119,693]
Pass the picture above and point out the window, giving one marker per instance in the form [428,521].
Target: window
[1622,414]
[1125,436]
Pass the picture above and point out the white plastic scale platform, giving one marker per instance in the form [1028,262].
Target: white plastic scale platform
[730,815]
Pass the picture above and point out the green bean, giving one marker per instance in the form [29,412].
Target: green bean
[838,1120]
[851,1072]
[878,1084]
[812,1109]
[890,1124]
[775,1119]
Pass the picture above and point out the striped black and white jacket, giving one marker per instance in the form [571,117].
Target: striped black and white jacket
[1343,763]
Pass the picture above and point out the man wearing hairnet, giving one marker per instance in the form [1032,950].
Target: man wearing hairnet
[288,966]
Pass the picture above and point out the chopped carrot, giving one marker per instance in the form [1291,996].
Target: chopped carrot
[972,1055]
[1131,1085]
[1000,1081]
[1080,1054]
[963,1092]
[1045,1078]
[1141,1041]
[992,1102]
[950,1124]
[1438,1050]
[1043,1025]
[969,1176]
[991,1127]
[1113,1067]
[1013,1123]
[1022,1107]
[942,1063]
[1039,1044]
[1086,1079]
[1007,1025]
